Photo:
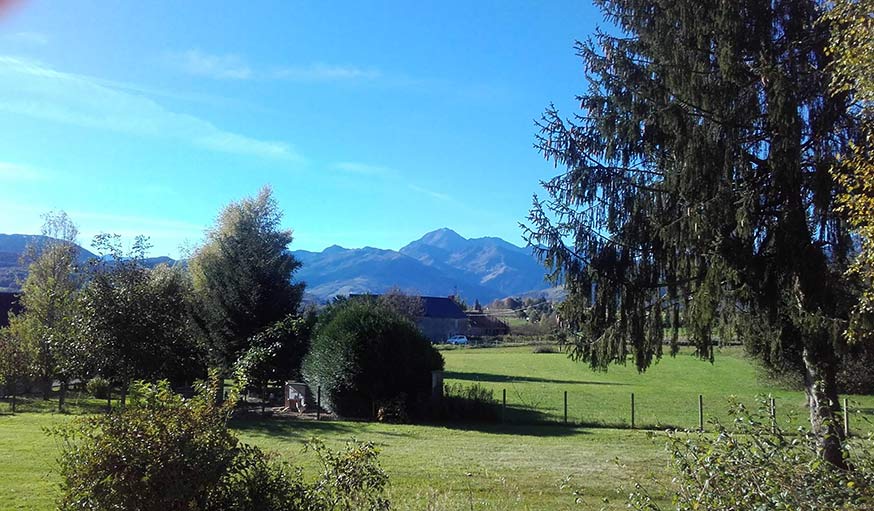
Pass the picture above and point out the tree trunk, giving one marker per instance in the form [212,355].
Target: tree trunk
[123,397]
[263,397]
[822,399]
[62,395]
[46,389]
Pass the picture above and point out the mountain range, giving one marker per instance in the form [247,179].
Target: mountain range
[440,263]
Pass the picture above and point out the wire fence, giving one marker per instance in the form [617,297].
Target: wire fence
[689,412]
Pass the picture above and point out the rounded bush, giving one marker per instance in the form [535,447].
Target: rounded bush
[98,387]
[364,355]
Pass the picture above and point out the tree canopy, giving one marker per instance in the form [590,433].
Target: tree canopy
[242,276]
[852,50]
[135,319]
[696,187]
[48,301]
[364,355]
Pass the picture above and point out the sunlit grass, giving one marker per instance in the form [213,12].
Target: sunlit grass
[510,466]
[666,394]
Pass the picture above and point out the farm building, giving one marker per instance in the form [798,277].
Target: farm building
[482,325]
[442,318]
[437,317]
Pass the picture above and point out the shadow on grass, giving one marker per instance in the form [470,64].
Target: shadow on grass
[36,404]
[297,429]
[519,421]
[500,378]
[515,420]
[542,430]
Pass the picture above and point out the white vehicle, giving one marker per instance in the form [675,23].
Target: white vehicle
[457,339]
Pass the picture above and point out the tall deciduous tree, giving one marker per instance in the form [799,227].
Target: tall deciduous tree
[48,300]
[135,320]
[242,276]
[696,181]
[852,49]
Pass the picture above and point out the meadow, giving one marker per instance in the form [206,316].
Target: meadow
[666,394]
[546,465]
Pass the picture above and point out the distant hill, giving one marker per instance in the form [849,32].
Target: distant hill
[13,246]
[492,263]
[340,271]
[440,263]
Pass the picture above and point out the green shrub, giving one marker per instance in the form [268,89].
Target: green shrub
[351,479]
[855,375]
[99,387]
[364,355]
[756,465]
[166,453]
[468,403]
[544,348]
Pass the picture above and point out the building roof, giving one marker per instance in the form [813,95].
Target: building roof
[432,306]
[8,303]
[480,320]
[440,307]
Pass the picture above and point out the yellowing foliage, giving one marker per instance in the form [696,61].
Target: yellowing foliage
[852,48]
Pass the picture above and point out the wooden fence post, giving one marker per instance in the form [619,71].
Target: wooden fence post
[319,402]
[565,407]
[772,413]
[632,410]
[504,407]
[846,419]
[700,412]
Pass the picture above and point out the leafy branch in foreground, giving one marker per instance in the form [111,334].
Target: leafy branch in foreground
[167,453]
[755,464]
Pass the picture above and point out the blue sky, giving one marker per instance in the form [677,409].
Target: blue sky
[374,122]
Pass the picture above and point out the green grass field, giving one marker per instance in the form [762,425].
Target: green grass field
[430,467]
[666,395]
[512,466]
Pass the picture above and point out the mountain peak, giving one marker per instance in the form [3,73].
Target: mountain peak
[333,249]
[444,238]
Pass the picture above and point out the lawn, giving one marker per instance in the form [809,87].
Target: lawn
[666,395]
[510,466]
[430,467]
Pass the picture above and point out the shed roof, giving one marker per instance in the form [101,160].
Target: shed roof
[440,307]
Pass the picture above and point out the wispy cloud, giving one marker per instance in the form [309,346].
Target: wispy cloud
[16,172]
[28,38]
[437,195]
[325,73]
[195,62]
[395,177]
[364,169]
[230,66]
[32,89]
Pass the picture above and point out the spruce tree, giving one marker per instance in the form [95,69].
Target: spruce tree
[695,191]
[242,277]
